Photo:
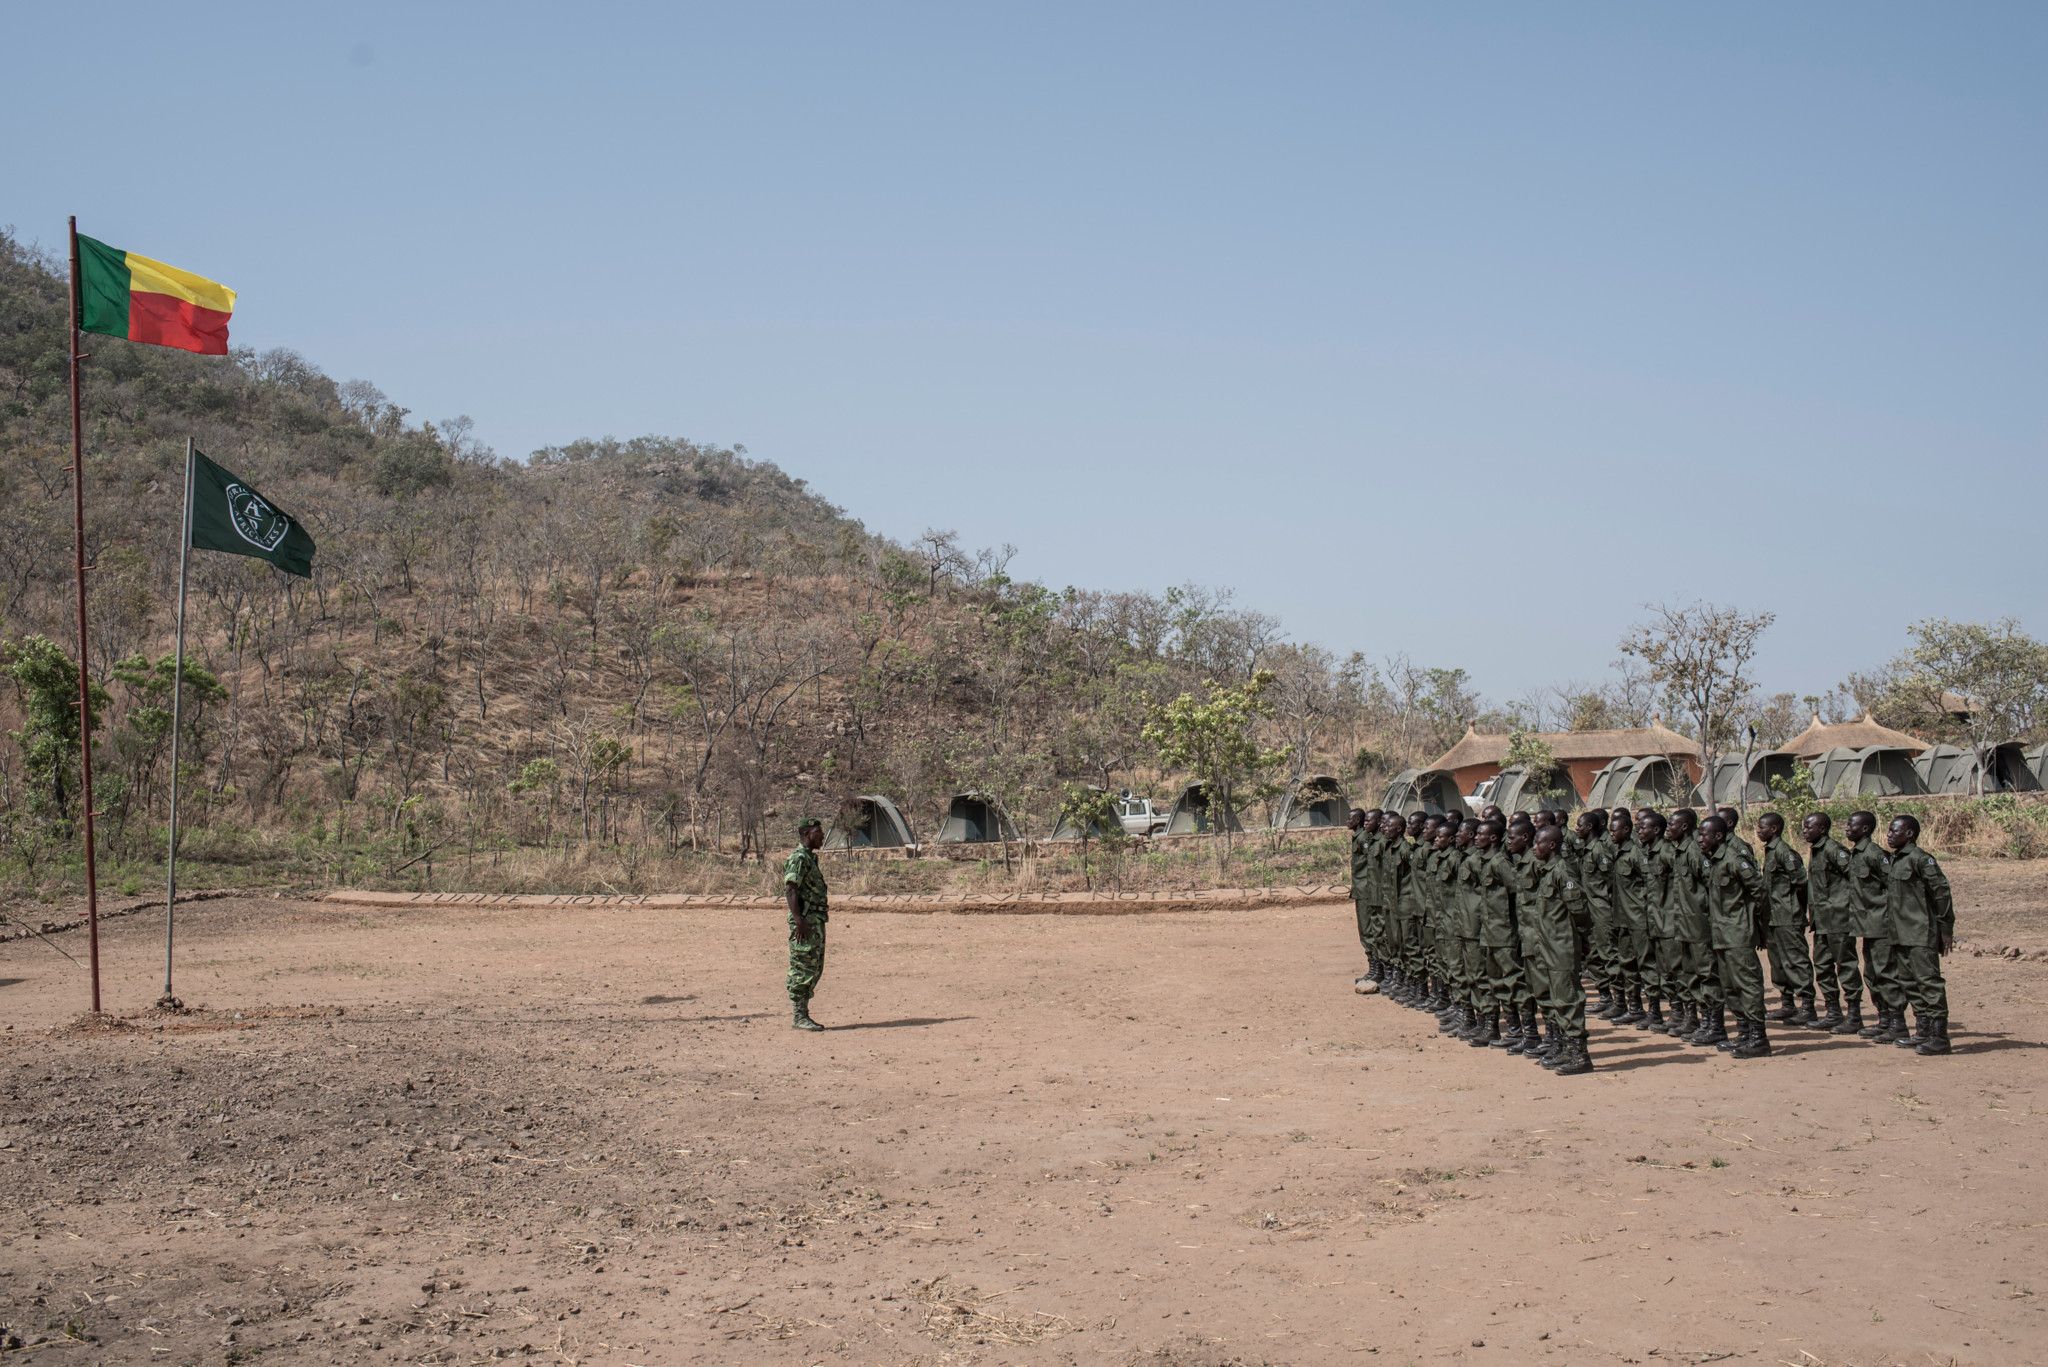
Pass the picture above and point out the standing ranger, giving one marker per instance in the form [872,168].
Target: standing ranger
[1631,914]
[1923,917]
[1734,892]
[1364,982]
[1557,909]
[1785,888]
[804,884]
[1660,952]
[1700,1021]
[1831,899]
[1870,879]
[1595,871]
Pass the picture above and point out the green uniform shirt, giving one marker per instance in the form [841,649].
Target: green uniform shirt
[1733,891]
[1494,880]
[1358,865]
[1689,919]
[1465,899]
[1631,871]
[1663,912]
[1784,884]
[1829,892]
[1558,912]
[1398,879]
[1444,889]
[1870,877]
[801,871]
[1596,875]
[1921,904]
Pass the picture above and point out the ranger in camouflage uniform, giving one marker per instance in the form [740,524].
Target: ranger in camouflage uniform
[1365,982]
[1830,898]
[803,882]
[1923,917]
[1630,868]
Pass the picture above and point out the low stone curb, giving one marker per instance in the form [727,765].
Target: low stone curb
[1000,904]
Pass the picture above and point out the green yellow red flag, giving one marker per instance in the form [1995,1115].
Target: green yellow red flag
[123,294]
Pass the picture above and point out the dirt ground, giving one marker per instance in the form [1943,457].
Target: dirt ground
[473,1135]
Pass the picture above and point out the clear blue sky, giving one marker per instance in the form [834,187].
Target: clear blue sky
[1563,306]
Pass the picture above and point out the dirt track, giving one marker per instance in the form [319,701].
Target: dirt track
[440,1136]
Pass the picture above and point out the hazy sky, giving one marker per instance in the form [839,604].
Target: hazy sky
[1461,330]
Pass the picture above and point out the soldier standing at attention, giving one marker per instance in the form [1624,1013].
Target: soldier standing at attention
[1785,888]
[1507,988]
[1870,870]
[1482,1023]
[1923,917]
[1521,859]
[1660,953]
[1595,871]
[1631,915]
[1363,983]
[1557,910]
[1699,1022]
[1397,883]
[804,884]
[1734,894]
[1830,898]
[1455,1016]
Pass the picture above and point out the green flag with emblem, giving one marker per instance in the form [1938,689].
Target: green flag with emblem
[228,515]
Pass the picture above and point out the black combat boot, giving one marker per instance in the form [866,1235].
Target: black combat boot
[1911,1041]
[1605,1010]
[1882,1025]
[1518,1031]
[1487,1033]
[1715,1031]
[1685,1019]
[1786,1011]
[1892,1026]
[1936,1030]
[1576,1060]
[1632,1012]
[1510,1036]
[1833,1017]
[1742,1033]
[1755,1041]
[1653,1018]
[1470,1022]
[1852,1018]
[1804,1017]
[800,1016]
[1539,1041]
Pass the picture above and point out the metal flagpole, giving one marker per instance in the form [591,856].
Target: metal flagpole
[177,718]
[92,882]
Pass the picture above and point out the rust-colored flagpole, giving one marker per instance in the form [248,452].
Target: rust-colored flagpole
[92,883]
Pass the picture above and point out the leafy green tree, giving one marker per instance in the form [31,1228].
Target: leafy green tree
[1699,656]
[46,684]
[1547,778]
[1215,738]
[1092,812]
[1995,669]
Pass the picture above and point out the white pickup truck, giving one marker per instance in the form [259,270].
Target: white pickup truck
[1139,816]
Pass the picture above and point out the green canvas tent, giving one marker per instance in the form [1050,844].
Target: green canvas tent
[975,819]
[1068,829]
[1193,813]
[1433,792]
[1512,793]
[1652,781]
[1607,782]
[1953,769]
[1312,803]
[869,822]
[2037,760]
[1731,784]
[1874,771]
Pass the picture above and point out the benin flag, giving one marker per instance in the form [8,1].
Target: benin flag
[125,295]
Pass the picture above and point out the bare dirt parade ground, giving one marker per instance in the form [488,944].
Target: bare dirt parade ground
[466,1135]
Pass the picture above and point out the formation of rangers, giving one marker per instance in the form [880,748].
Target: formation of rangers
[1497,924]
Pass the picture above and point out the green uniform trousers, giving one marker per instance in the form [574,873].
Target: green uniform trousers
[806,958]
[1918,969]
[1791,964]
[1364,925]
[1739,982]
[1600,956]
[1563,996]
[1834,966]
[1699,976]
[1878,974]
[1507,984]
[1413,953]
[1628,947]
[1473,988]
